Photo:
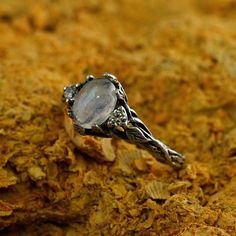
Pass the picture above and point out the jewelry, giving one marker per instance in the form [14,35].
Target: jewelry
[100,107]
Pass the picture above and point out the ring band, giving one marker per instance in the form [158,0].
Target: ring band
[100,107]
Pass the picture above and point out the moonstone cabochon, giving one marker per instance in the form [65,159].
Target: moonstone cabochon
[94,103]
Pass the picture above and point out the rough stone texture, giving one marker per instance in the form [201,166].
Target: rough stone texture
[101,149]
[177,64]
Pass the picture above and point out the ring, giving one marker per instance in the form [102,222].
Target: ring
[100,107]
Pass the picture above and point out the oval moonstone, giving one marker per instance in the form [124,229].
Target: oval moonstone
[94,103]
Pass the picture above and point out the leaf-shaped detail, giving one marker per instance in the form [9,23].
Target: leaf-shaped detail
[139,123]
[135,135]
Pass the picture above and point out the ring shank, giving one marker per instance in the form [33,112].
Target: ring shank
[137,133]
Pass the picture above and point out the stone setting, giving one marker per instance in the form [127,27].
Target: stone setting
[69,92]
[118,117]
[94,102]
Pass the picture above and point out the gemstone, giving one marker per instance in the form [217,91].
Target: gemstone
[94,103]
[69,92]
[118,117]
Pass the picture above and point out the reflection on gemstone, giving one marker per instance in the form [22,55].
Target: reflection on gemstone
[94,102]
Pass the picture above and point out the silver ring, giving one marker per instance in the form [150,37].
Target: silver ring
[100,107]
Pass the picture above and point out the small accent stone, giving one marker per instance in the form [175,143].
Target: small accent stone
[69,92]
[94,103]
[118,117]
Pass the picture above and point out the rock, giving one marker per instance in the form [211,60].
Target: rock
[36,173]
[157,190]
[95,147]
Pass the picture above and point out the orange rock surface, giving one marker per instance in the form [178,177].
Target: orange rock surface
[177,63]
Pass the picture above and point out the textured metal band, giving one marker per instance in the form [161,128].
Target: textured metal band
[123,123]
[136,132]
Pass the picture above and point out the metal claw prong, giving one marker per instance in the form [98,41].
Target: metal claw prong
[70,113]
[89,77]
[119,94]
[96,128]
[70,102]
[78,85]
[113,79]
[109,75]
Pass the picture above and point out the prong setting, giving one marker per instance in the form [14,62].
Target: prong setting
[69,92]
[110,76]
[113,79]
[120,120]
[89,77]
[96,129]
[117,118]
[78,86]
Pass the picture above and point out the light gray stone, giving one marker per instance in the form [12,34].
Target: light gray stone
[94,103]
[69,92]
